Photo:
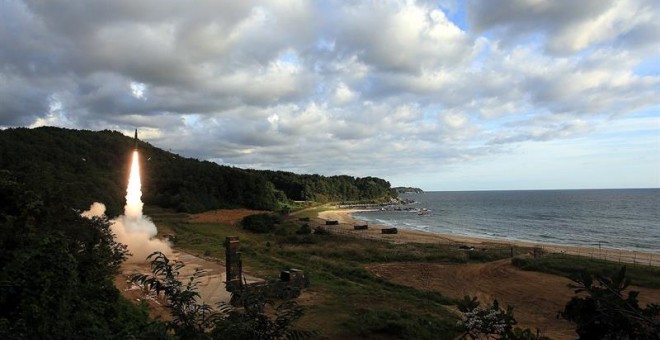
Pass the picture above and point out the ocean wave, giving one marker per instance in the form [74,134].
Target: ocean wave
[614,218]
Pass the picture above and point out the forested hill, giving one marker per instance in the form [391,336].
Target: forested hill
[333,188]
[406,190]
[85,166]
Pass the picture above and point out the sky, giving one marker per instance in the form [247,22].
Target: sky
[441,95]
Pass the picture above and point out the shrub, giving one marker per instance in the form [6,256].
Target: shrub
[606,313]
[321,231]
[305,229]
[260,223]
[492,322]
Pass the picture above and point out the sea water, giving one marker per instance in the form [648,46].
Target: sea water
[611,218]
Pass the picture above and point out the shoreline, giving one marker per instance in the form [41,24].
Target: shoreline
[346,222]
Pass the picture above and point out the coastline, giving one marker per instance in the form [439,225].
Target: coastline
[346,222]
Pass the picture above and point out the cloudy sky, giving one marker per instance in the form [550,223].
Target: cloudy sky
[444,95]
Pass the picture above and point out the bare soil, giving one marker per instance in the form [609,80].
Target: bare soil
[228,216]
[211,285]
[536,297]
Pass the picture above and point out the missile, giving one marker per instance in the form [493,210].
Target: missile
[136,139]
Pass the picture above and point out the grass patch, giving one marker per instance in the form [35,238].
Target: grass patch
[400,324]
[568,265]
[367,251]
[311,212]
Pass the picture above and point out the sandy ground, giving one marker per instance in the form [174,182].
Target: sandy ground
[211,286]
[536,297]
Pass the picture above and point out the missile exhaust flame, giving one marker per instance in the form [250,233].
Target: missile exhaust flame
[133,228]
[133,208]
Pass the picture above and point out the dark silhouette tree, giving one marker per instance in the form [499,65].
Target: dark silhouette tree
[601,310]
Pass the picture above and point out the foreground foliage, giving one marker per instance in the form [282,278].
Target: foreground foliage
[56,273]
[606,313]
[257,318]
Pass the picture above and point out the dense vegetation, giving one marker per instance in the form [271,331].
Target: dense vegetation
[56,273]
[323,189]
[87,166]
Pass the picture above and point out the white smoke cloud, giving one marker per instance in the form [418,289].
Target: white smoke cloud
[96,210]
[133,229]
[138,233]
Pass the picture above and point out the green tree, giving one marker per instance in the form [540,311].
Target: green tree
[607,313]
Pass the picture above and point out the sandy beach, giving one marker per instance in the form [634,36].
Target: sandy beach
[347,221]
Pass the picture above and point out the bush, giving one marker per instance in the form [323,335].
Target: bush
[260,223]
[492,322]
[321,231]
[300,239]
[305,229]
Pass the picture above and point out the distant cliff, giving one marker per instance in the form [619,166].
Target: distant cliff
[405,190]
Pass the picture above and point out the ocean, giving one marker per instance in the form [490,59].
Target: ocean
[627,219]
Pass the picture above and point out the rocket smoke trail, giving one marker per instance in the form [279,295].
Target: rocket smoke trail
[133,229]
